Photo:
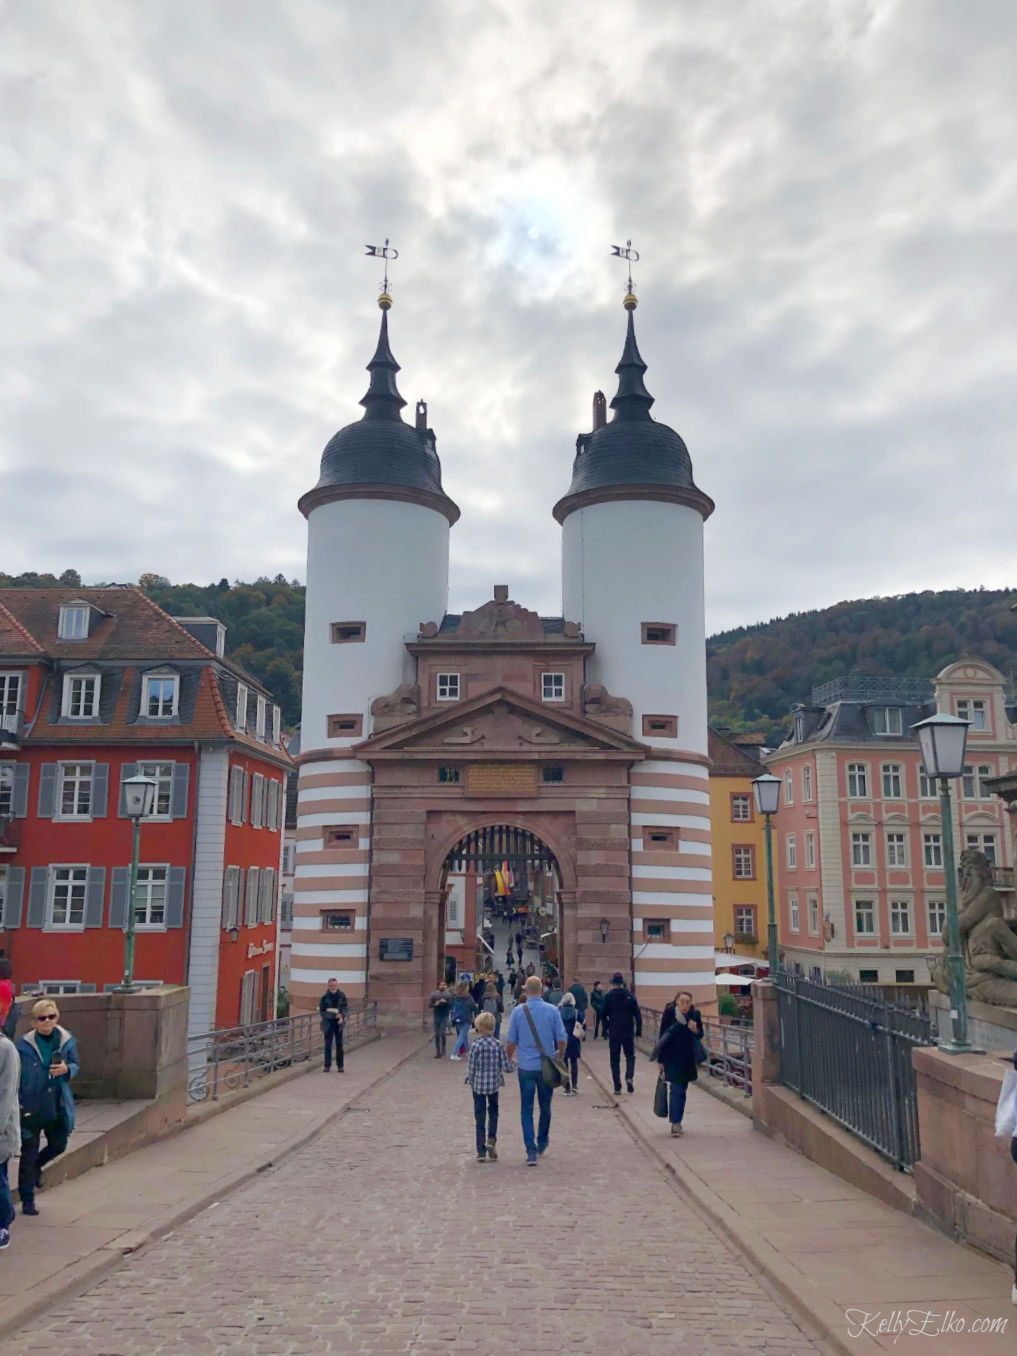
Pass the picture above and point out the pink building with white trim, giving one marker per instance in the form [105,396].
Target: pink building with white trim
[858,843]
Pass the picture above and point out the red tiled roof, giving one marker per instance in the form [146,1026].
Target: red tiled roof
[14,639]
[132,627]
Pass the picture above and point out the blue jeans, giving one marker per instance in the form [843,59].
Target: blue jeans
[676,1102]
[462,1037]
[485,1105]
[531,1083]
[6,1204]
[333,1036]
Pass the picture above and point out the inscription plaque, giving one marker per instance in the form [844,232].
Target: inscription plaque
[395,949]
[502,779]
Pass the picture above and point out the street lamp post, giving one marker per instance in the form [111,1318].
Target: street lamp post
[766,789]
[139,798]
[942,740]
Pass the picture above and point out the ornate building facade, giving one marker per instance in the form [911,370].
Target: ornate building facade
[567,754]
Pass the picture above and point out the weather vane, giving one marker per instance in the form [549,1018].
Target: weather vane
[632,257]
[385,252]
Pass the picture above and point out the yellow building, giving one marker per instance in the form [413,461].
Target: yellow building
[739,861]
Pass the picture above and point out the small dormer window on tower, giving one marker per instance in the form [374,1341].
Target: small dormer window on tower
[73,621]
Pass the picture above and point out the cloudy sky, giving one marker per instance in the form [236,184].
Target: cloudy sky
[824,196]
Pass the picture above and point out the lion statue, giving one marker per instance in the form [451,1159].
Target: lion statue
[987,944]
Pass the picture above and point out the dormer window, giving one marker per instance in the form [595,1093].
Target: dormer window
[972,711]
[73,623]
[886,720]
[161,694]
[241,713]
[81,696]
[552,687]
[447,687]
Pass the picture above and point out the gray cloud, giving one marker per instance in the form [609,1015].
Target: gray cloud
[823,196]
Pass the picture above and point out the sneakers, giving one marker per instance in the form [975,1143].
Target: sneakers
[492,1151]
[29,1208]
[531,1160]
[617,1092]
[5,1238]
[629,1085]
[456,1059]
[677,1130]
[482,1158]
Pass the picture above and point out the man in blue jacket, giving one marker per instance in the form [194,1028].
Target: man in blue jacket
[535,1029]
[49,1060]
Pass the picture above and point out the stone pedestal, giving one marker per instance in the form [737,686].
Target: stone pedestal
[989,1027]
[966,1180]
[766,1036]
[131,1045]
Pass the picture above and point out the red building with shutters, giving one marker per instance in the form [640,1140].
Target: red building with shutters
[97,685]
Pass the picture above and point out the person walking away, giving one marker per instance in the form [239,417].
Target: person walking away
[49,1060]
[622,1023]
[333,1008]
[463,1011]
[535,1029]
[477,990]
[597,996]
[488,1063]
[574,1032]
[676,1056]
[579,993]
[10,1130]
[440,1004]
[491,1004]
[519,946]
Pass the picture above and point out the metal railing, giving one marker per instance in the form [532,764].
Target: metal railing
[848,1052]
[220,1061]
[728,1049]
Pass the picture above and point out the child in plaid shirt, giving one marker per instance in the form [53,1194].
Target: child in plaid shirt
[488,1060]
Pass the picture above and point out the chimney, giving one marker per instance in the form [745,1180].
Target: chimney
[599,410]
[421,416]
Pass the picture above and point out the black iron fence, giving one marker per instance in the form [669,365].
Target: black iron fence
[219,1061]
[848,1052]
[728,1049]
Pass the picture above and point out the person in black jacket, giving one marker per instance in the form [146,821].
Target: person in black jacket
[622,1022]
[333,1008]
[676,1053]
[682,1002]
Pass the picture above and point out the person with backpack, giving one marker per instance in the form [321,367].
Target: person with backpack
[10,1130]
[464,1009]
[574,1032]
[49,1060]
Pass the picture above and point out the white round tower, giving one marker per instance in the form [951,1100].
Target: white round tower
[632,576]
[378,526]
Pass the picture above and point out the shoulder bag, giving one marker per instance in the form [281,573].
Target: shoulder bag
[552,1069]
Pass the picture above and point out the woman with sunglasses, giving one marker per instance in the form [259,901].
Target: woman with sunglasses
[49,1060]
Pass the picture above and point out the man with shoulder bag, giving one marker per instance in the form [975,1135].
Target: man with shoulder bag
[535,1031]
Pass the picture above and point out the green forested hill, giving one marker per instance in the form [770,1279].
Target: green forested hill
[755,673]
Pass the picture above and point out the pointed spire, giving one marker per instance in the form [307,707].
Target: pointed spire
[383,400]
[632,400]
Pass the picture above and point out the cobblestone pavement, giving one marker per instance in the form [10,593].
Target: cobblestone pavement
[385,1235]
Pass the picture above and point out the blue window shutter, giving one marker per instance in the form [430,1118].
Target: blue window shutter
[175,896]
[119,886]
[95,894]
[100,789]
[47,790]
[178,797]
[244,779]
[19,803]
[37,892]
[15,896]
[127,770]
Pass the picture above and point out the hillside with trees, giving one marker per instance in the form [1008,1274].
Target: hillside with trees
[755,673]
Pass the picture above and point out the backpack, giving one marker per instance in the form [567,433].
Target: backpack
[11,1020]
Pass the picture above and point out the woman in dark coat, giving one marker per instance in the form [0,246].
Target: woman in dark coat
[682,1002]
[676,1055]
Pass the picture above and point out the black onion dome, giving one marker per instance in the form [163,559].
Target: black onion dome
[380,456]
[632,457]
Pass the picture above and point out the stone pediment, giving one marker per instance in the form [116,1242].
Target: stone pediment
[501,723]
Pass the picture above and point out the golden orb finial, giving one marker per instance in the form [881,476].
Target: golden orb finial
[630,302]
[385,301]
